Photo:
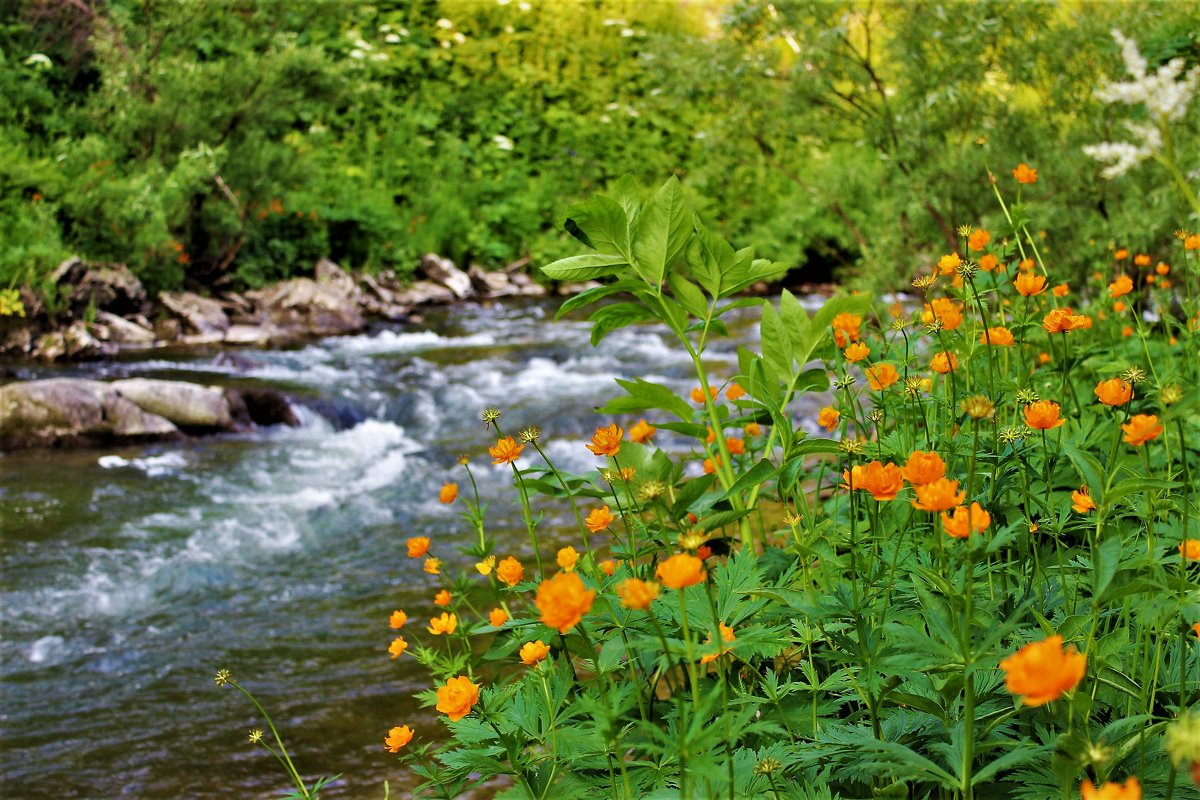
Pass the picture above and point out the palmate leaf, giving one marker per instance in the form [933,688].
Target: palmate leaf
[864,757]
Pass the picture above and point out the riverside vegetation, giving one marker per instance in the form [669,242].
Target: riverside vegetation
[983,583]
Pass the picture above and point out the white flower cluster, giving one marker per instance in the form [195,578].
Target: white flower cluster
[1162,93]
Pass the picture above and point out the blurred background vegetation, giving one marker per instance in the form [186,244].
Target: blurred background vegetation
[228,143]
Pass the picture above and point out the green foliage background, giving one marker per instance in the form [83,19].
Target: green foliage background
[232,142]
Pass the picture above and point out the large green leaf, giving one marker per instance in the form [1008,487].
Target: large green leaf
[661,232]
[600,223]
[584,267]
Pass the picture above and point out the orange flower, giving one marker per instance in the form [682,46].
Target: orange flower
[642,432]
[1026,264]
[608,567]
[1127,331]
[999,336]
[598,519]
[703,552]
[752,429]
[397,647]
[1062,320]
[881,376]
[506,451]
[966,521]
[988,262]
[852,478]
[397,738]
[1043,671]
[944,362]
[856,352]
[433,566]
[1162,268]
[948,264]
[637,594]
[978,240]
[1190,549]
[734,392]
[443,624]
[1191,242]
[1119,306]
[1141,260]
[449,493]
[1121,254]
[533,652]
[397,619]
[944,310]
[726,636]
[442,598]
[457,697]
[1123,285]
[1131,790]
[1082,500]
[1029,284]
[710,466]
[606,441]
[938,495]
[1114,392]
[1043,358]
[883,481]
[1061,290]
[847,325]
[1141,428]
[828,418]
[486,566]
[1043,415]
[510,571]
[922,468]
[735,446]
[698,394]
[418,546]
[1025,174]
[497,617]
[1151,279]
[680,570]
[567,558]
[1196,628]
[563,600]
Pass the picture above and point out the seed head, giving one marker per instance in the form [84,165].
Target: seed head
[223,677]
[1026,396]
[913,386]
[610,475]
[843,383]
[1182,234]
[853,446]
[767,766]
[255,736]
[875,415]
[692,540]
[1133,374]
[530,435]
[934,327]
[1014,433]
[924,282]
[1183,739]
[792,520]
[464,459]
[968,269]
[899,324]
[490,415]
[979,407]
[964,230]
[651,490]
[1171,393]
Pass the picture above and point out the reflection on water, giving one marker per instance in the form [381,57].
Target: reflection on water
[131,576]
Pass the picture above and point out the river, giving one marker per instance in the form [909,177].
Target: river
[131,575]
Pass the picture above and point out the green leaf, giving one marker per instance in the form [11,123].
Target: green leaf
[760,472]
[644,395]
[1136,486]
[584,267]
[602,223]
[607,319]
[589,296]
[710,258]
[662,231]
[688,295]
[1104,565]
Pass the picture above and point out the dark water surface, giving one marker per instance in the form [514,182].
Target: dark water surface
[130,576]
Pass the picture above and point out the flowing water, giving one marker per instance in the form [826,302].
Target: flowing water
[131,575]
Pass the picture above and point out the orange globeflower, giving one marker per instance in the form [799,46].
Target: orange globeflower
[881,376]
[563,600]
[1061,290]
[1121,254]
[449,493]
[966,521]
[608,567]
[497,617]
[939,495]
[922,468]
[567,558]
[506,451]
[457,697]
[637,594]
[606,441]
[988,262]
[397,647]
[1162,268]
[944,310]
[442,598]
[1190,549]
[1029,284]
[1118,307]
[852,478]
[883,481]
[856,352]
[680,570]
[598,519]
[1026,264]
[433,566]
[999,336]
[734,392]
[1043,358]
[1043,415]
[1082,500]
[397,619]
[1114,392]
[846,328]
[944,362]
[418,546]
[1141,260]
[1043,671]
[443,624]
[1141,428]
[949,264]
[533,652]
[1191,241]
[735,446]
[510,571]
[1025,174]
[397,738]
[642,432]
[698,394]
[1123,285]
[828,418]
[726,636]
[978,240]
[752,429]
[1131,790]
[486,566]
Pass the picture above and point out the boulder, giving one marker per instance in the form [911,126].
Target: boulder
[49,347]
[248,336]
[102,287]
[59,411]
[492,284]
[444,272]
[201,314]
[306,307]
[527,286]
[187,405]
[422,292]
[16,339]
[124,331]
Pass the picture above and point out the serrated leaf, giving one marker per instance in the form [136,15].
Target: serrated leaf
[661,232]
[584,267]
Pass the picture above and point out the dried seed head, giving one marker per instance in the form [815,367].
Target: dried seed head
[979,407]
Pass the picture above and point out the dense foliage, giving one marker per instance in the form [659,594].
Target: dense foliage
[232,142]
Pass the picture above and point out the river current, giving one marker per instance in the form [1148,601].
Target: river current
[131,575]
